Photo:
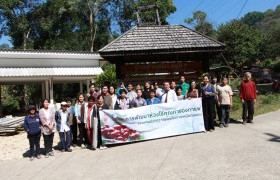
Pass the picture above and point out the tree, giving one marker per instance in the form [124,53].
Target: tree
[200,23]
[244,44]
[253,18]
[108,76]
[125,12]
[14,20]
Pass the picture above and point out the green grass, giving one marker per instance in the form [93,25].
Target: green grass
[265,103]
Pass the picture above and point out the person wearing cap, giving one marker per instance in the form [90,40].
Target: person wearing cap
[122,86]
[32,125]
[62,118]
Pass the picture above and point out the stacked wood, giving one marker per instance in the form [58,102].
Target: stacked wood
[11,126]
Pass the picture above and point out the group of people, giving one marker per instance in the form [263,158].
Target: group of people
[84,115]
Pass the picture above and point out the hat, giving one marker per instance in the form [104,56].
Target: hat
[31,107]
[63,103]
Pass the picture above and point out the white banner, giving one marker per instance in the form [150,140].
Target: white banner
[153,121]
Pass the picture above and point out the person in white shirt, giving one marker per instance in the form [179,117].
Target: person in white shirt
[130,93]
[113,95]
[63,127]
[168,94]
[158,90]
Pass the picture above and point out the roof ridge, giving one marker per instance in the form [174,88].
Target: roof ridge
[47,51]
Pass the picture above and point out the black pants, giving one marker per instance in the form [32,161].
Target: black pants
[74,132]
[208,113]
[83,134]
[48,141]
[248,110]
[99,136]
[34,141]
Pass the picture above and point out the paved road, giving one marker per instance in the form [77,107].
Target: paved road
[239,152]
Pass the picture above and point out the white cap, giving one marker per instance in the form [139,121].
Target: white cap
[63,103]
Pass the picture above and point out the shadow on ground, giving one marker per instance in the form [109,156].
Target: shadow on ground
[273,137]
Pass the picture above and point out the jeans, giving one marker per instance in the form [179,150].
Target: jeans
[82,136]
[65,144]
[34,140]
[208,113]
[225,114]
[48,141]
[248,110]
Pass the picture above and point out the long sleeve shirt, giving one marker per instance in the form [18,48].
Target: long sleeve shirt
[248,90]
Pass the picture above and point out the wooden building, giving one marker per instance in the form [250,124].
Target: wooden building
[161,53]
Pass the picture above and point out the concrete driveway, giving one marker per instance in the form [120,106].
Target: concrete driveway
[239,152]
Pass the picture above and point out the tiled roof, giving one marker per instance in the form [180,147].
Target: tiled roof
[166,38]
[50,71]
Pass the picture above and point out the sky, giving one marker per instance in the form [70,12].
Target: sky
[218,11]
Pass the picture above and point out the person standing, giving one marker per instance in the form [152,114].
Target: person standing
[217,109]
[168,95]
[139,101]
[224,101]
[47,117]
[173,86]
[122,86]
[62,118]
[208,98]
[100,106]
[193,92]
[158,90]
[106,96]
[248,97]
[153,99]
[185,86]
[32,126]
[92,91]
[146,92]
[73,122]
[138,86]
[123,101]
[113,95]
[89,123]
[180,96]
[79,113]
[131,94]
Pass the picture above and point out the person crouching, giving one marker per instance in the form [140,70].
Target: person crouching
[32,125]
[63,127]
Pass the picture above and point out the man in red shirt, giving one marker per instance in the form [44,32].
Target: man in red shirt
[248,97]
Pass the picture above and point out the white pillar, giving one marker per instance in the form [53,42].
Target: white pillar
[51,91]
[81,86]
[47,91]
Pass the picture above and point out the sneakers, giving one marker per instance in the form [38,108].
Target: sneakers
[211,130]
[83,146]
[244,122]
[226,125]
[74,145]
[102,147]
[51,153]
[69,150]
[252,122]
[47,155]
[221,125]
[38,157]
[63,150]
